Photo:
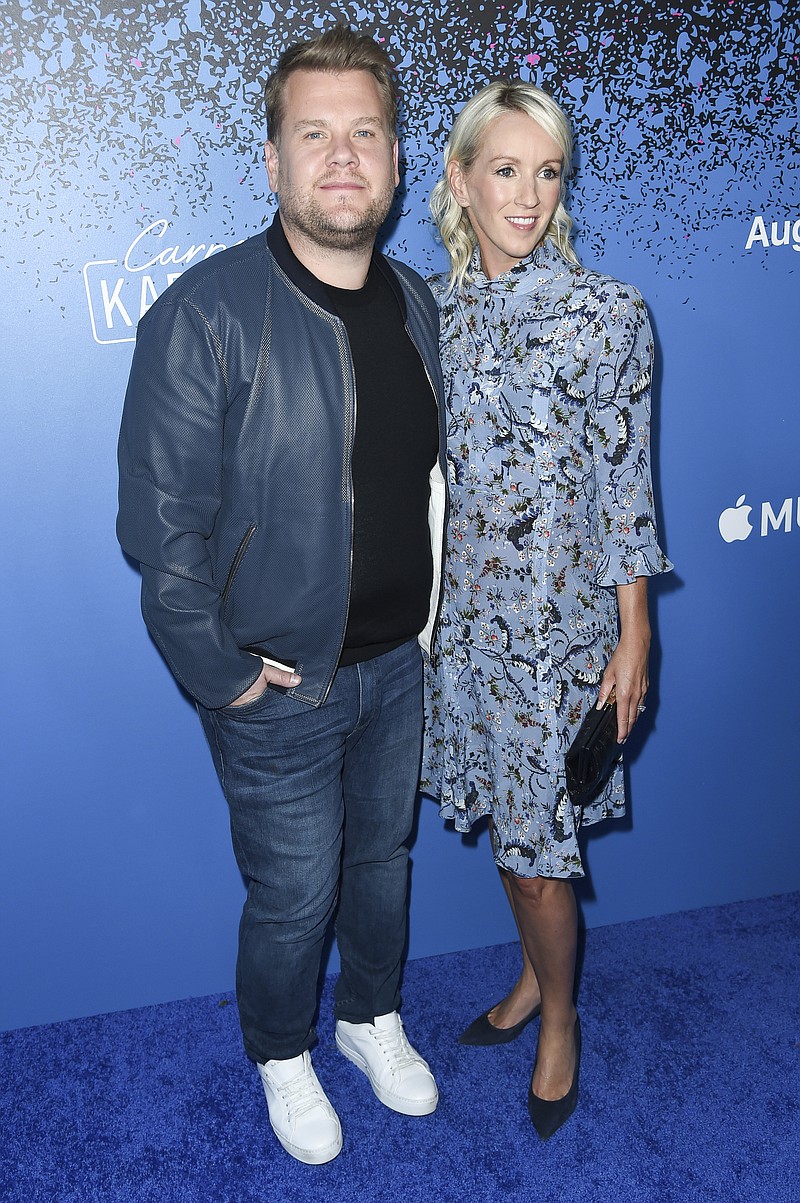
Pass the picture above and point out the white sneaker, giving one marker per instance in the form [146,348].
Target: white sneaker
[397,1073]
[301,1117]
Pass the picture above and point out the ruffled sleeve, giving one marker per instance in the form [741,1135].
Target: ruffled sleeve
[620,434]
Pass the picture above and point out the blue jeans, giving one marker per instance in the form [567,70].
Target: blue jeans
[321,803]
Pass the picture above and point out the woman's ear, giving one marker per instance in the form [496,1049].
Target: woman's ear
[456,178]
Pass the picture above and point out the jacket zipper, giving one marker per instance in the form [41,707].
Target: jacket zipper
[347,484]
[347,470]
[347,467]
[439,600]
[234,568]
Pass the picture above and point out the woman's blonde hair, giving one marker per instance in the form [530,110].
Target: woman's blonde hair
[463,145]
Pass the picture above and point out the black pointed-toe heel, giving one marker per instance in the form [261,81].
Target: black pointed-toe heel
[482,1031]
[548,1115]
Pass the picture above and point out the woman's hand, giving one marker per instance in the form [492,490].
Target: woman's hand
[627,669]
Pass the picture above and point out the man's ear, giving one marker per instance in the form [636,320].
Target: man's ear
[271,160]
[396,161]
[456,178]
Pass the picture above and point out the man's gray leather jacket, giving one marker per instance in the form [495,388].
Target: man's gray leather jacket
[235,454]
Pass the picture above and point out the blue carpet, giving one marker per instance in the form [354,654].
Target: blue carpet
[690,1088]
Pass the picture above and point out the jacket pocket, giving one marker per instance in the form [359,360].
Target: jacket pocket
[234,568]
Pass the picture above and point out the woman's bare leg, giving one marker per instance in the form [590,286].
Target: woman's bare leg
[521,1000]
[546,916]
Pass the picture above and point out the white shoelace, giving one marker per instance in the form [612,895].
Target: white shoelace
[301,1094]
[396,1049]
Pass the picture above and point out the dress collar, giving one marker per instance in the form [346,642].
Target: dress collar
[545,255]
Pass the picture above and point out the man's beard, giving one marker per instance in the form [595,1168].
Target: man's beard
[339,229]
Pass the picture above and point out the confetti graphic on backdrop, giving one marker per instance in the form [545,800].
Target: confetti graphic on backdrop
[681,114]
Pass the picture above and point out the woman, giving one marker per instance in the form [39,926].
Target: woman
[552,538]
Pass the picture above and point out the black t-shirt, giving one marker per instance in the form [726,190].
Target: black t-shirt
[395,447]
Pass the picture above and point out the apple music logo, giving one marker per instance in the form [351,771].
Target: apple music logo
[735,525]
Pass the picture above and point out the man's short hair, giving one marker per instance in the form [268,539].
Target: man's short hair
[338,49]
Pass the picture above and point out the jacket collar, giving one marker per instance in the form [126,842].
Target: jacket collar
[308,283]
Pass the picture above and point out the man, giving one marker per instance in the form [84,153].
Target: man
[281,461]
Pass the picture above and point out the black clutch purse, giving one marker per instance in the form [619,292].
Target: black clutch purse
[594,750]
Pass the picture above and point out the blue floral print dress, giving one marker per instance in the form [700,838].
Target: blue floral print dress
[547,369]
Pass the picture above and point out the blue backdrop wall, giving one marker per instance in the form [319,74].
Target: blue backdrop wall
[130,148]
